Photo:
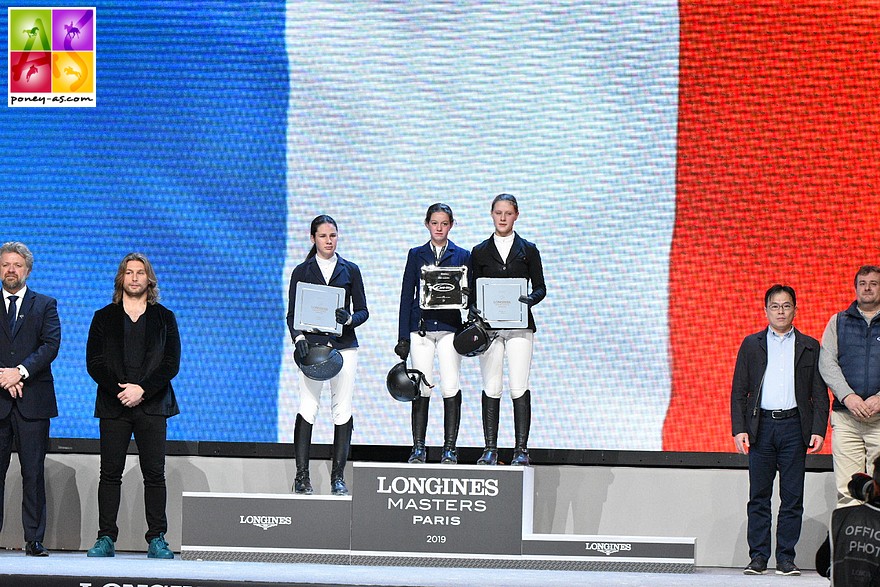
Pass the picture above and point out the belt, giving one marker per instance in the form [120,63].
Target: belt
[780,414]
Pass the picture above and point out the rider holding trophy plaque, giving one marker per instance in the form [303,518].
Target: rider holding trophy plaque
[503,266]
[432,296]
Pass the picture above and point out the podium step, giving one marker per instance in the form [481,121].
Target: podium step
[426,515]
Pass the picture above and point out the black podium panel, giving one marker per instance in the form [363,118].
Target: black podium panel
[413,515]
[440,509]
[266,527]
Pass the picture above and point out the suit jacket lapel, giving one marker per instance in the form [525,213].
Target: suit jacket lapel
[116,342]
[798,347]
[24,309]
[315,271]
[426,254]
[762,344]
[450,249]
[493,251]
[151,339]
[337,271]
[5,319]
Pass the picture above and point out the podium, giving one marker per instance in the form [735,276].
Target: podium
[263,527]
[413,515]
[439,515]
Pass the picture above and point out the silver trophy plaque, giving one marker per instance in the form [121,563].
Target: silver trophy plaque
[315,308]
[498,301]
[442,288]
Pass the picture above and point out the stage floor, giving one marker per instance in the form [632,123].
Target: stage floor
[74,569]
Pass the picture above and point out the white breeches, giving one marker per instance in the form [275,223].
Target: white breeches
[421,354]
[517,345]
[341,391]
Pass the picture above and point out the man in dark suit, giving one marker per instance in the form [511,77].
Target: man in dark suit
[133,353]
[30,335]
[778,412]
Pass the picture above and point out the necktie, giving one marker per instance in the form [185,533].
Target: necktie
[13,312]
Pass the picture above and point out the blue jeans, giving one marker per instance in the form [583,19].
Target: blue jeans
[778,447]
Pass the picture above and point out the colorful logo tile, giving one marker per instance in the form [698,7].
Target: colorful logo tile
[52,57]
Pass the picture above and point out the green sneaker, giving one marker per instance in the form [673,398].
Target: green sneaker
[159,548]
[103,547]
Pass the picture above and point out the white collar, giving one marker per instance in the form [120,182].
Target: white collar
[20,293]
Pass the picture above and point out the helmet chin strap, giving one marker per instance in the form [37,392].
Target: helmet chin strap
[418,378]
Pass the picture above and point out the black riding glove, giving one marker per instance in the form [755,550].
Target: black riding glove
[342,315]
[302,349]
[528,300]
[401,349]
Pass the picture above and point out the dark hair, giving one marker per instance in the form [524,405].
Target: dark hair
[504,198]
[152,280]
[318,221]
[778,288]
[865,270]
[439,207]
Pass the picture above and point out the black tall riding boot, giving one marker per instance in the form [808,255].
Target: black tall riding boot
[341,446]
[522,419]
[419,428]
[302,443]
[451,422]
[491,407]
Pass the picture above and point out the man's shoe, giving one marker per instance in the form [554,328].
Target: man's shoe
[159,548]
[787,568]
[758,566]
[104,546]
[35,548]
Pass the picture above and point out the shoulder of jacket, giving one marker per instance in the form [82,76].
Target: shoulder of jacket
[806,340]
[109,309]
[526,243]
[482,245]
[346,263]
[755,337]
[157,307]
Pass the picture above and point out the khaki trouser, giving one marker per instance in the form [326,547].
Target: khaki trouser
[854,446]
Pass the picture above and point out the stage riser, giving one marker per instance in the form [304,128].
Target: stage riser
[435,509]
[413,515]
[267,521]
[86,581]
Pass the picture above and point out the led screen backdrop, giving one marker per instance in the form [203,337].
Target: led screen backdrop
[672,160]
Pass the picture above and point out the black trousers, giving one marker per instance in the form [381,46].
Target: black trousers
[149,434]
[31,440]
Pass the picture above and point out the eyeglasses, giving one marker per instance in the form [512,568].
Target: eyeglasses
[784,307]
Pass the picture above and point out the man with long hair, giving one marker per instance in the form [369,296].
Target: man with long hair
[133,353]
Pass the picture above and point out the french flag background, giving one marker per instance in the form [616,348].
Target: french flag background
[776,182]
[672,159]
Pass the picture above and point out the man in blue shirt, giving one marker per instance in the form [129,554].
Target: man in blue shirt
[778,413]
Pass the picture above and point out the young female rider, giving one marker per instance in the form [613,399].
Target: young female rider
[324,267]
[424,333]
[506,254]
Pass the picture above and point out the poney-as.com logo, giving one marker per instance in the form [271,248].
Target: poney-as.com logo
[51,57]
